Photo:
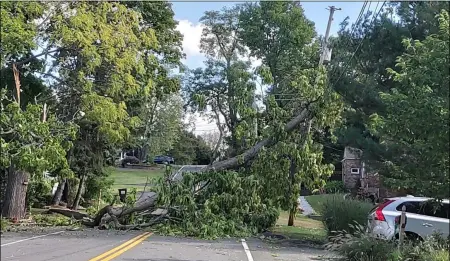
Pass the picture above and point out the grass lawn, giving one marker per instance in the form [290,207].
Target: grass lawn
[316,201]
[304,228]
[133,178]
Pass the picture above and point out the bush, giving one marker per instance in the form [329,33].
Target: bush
[129,160]
[39,193]
[95,184]
[334,186]
[4,224]
[339,214]
[365,247]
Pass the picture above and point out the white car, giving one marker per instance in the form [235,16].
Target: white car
[423,218]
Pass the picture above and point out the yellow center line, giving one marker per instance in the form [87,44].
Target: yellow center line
[138,239]
[123,250]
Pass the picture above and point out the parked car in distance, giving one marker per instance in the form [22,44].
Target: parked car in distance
[423,218]
[163,160]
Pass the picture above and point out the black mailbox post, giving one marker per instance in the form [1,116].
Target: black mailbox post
[122,194]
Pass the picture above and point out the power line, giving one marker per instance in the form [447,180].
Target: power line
[362,41]
[355,25]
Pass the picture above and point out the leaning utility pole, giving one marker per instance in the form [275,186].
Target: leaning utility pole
[323,48]
[327,33]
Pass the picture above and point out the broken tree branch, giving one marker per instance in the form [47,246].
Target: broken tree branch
[252,152]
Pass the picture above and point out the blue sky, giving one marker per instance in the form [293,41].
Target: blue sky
[188,15]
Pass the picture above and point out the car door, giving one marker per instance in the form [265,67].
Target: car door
[415,219]
[438,218]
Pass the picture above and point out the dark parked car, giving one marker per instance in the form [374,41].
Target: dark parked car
[163,160]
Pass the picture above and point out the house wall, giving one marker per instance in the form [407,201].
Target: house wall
[349,179]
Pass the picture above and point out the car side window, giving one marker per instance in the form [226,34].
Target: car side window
[411,207]
[435,210]
[427,209]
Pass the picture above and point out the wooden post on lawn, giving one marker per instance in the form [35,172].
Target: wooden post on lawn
[402,226]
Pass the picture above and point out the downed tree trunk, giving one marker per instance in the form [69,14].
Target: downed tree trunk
[68,213]
[117,225]
[253,152]
[147,203]
[150,201]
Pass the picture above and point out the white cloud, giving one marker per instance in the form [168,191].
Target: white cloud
[194,58]
[192,34]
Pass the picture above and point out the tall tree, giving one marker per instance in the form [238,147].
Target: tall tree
[224,90]
[158,16]
[162,119]
[414,131]
[30,145]
[361,54]
[100,63]
[281,36]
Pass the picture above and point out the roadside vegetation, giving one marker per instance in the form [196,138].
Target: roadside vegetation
[84,81]
[359,246]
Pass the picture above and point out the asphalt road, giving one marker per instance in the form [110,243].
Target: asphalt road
[95,245]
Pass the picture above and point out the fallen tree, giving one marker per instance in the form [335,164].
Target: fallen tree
[149,203]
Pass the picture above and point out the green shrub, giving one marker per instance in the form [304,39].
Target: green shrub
[360,246]
[95,184]
[4,224]
[39,193]
[334,186]
[440,255]
[339,214]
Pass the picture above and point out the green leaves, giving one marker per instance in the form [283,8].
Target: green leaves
[18,28]
[415,128]
[30,144]
[231,204]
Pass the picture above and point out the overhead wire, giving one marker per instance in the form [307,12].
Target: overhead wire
[361,12]
[360,16]
[361,43]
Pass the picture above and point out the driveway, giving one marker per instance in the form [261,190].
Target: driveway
[96,245]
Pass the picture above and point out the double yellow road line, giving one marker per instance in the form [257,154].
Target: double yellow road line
[117,251]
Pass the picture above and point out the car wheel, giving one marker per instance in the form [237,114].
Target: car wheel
[411,237]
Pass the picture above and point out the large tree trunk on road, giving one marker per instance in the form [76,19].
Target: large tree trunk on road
[145,204]
[150,202]
[76,202]
[59,192]
[15,195]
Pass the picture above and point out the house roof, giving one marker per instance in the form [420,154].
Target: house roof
[352,153]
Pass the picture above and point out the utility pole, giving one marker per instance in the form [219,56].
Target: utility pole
[322,54]
[327,33]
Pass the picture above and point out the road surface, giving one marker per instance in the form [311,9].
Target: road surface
[95,245]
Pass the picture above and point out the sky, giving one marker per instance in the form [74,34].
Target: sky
[188,15]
